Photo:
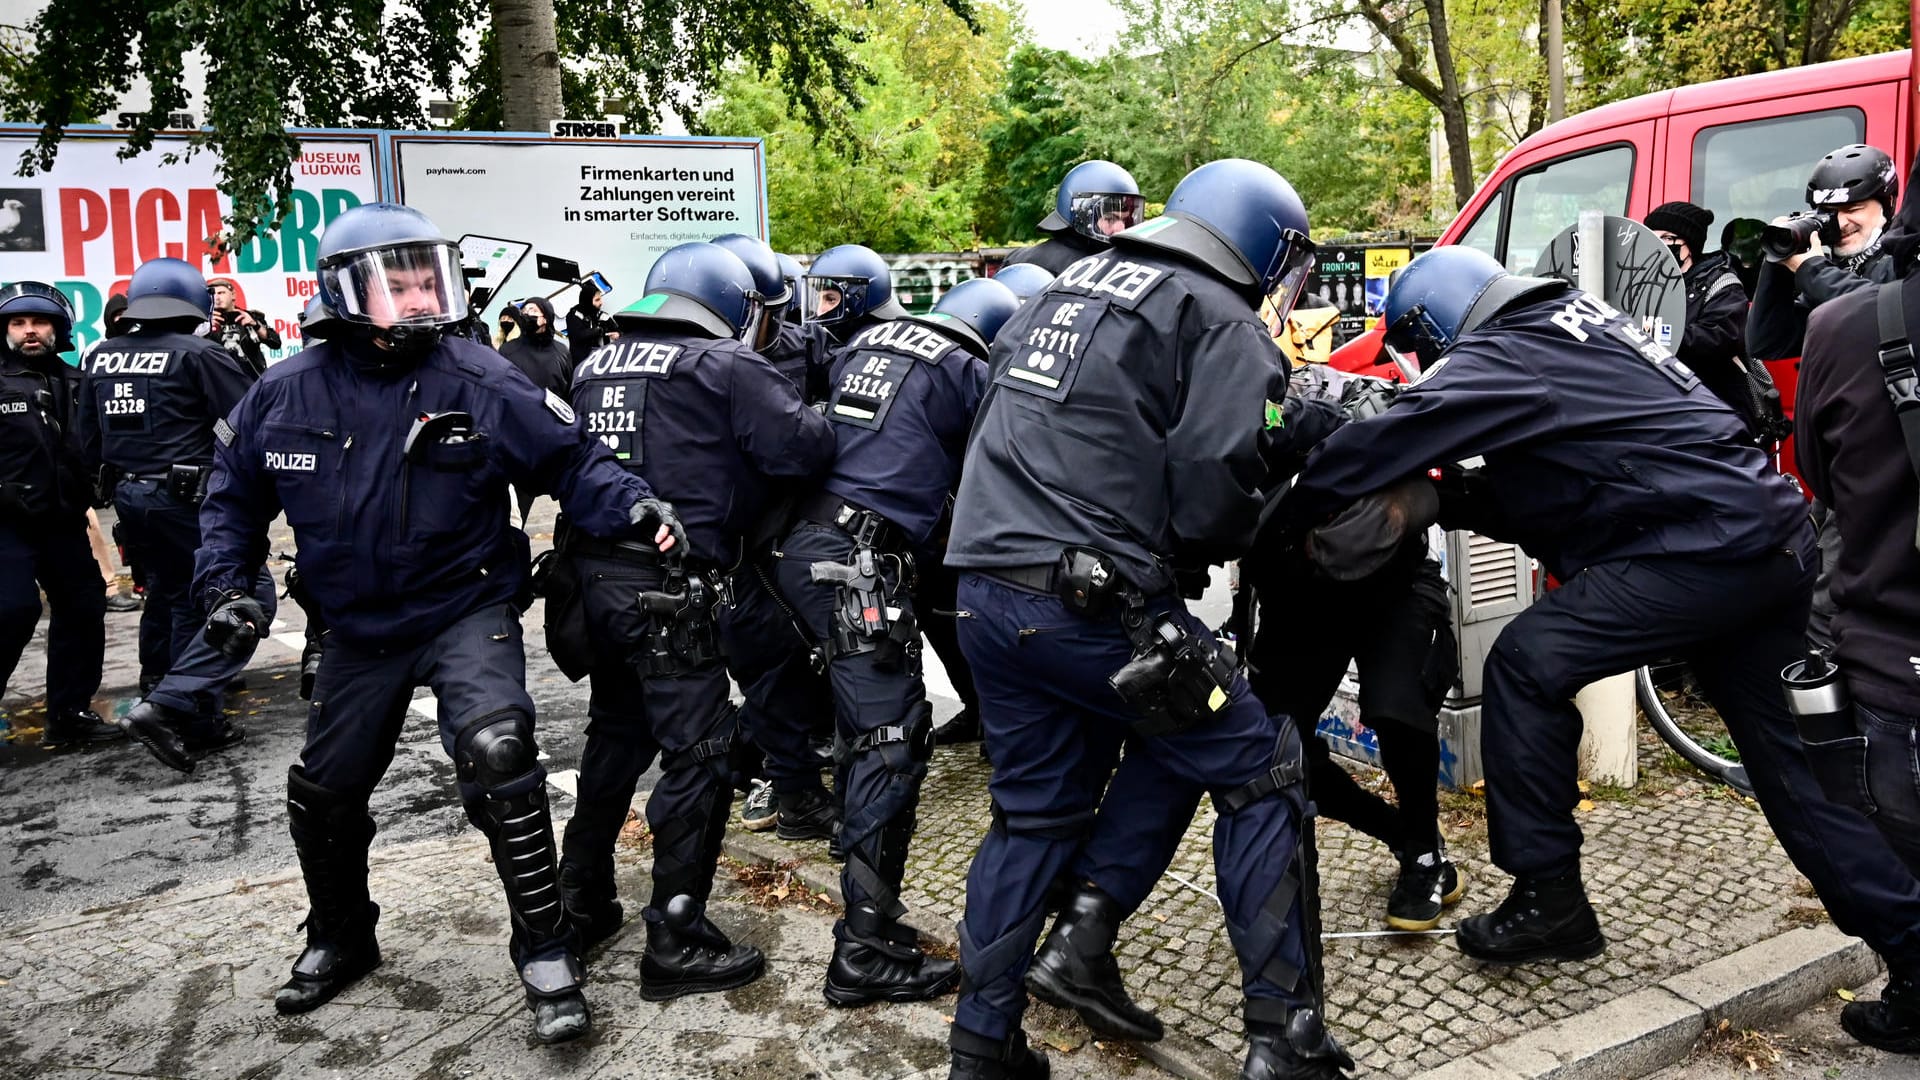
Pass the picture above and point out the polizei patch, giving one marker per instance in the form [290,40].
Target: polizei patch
[289,461]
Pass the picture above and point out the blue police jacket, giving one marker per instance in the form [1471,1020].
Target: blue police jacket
[903,399]
[1133,407]
[1598,444]
[708,422]
[397,547]
[151,399]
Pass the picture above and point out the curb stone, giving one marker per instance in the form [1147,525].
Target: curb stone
[1177,1054]
[1652,1028]
[1633,1035]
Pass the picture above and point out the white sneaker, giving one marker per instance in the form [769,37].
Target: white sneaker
[761,811]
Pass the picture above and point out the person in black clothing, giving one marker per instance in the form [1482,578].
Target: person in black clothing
[1095,200]
[1716,334]
[246,334]
[1857,185]
[543,360]
[43,516]
[588,327]
[1852,455]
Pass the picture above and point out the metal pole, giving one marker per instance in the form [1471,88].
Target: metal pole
[1557,62]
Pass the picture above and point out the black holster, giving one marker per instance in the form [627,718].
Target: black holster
[188,483]
[1176,679]
[682,635]
[866,619]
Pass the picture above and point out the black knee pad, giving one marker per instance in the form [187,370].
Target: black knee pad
[1284,778]
[497,751]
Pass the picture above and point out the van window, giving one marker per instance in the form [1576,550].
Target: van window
[1548,200]
[1484,233]
[1759,168]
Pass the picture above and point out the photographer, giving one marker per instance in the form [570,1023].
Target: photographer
[588,326]
[245,334]
[1837,247]
[1855,459]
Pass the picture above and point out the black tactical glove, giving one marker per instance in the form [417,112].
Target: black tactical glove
[660,512]
[236,625]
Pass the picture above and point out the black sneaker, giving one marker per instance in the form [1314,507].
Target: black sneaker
[1541,919]
[1428,883]
[1892,1023]
[807,814]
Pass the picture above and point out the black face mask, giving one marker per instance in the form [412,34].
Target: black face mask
[1679,253]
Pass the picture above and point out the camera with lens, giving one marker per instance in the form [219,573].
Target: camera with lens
[1176,679]
[1796,235]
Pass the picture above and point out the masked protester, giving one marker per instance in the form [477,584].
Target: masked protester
[588,326]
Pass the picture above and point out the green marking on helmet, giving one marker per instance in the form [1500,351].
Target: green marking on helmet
[649,304]
[1148,228]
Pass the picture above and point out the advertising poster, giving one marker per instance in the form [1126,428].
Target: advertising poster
[84,225]
[603,206]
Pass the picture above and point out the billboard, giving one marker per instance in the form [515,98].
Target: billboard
[87,222]
[606,206]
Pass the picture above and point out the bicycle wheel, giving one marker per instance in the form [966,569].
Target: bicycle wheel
[1687,723]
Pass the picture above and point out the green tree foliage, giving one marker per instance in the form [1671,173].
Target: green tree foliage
[902,171]
[1033,139]
[1196,80]
[366,63]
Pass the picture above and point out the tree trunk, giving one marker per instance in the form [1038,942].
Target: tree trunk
[1452,104]
[523,31]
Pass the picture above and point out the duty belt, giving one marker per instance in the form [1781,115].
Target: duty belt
[571,541]
[1037,579]
[865,526]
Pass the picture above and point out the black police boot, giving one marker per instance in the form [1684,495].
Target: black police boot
[560,1018]
[1892,1023]
[592,903]
[1075,969]
[687,954]
[78,727]
[807,814]
[963,728]
[1541,919]
[1428,882]
[158,727]
[331,833]
[1299,1049]
[976,1057]
[877,959]
[205,736]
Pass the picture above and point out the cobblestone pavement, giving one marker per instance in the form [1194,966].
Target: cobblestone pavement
[181,985]
[1680,871]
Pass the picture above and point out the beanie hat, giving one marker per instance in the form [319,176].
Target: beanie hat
[1684,220]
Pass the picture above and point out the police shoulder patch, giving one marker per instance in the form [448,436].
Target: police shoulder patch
[558,406]
[223,431]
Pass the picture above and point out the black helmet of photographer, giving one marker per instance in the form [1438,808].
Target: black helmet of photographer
[1854,174]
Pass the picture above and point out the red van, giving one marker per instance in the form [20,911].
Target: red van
[1739,147]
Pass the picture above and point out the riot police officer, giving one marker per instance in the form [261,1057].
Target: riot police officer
[711,426]
[851,288]
[390,448]
[1618,468]
[769,655]
[44,493]
[1095,200]
[904,395]
[154,402]
[1079,637]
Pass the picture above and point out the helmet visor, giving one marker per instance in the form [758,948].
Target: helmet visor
[762,323]
[1100,214]
[1287,278]
[834,299]
[414,285]
[40,295]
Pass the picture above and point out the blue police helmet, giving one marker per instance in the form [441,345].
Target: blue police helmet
[40,298]
[973,312]
[384,264]
[1444,294]
[1096,199]
[762,263]
[860,281]
[1241,220]
[1026,280]
[702,285]
[167,289]
[317,321]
